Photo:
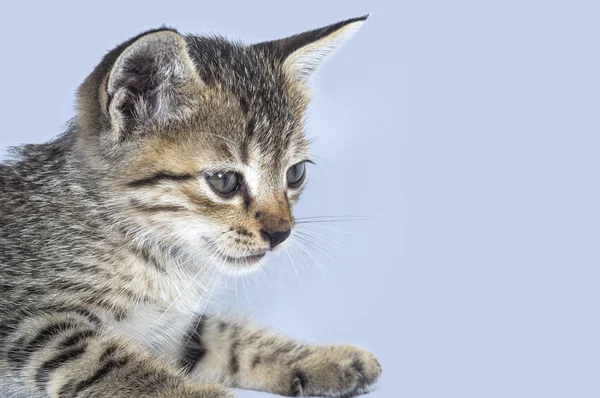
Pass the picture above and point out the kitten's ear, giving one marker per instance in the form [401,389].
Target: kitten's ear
[302,54]
[148,82]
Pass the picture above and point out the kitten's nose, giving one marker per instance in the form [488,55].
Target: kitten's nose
[276,237]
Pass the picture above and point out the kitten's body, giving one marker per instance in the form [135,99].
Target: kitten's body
[110,250]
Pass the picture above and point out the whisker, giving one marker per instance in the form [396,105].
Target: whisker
[248,298]
[299,251]
[334,216]
[268,275]
[292,246]
[309,242]
[237,297]
[180,265]
[325,239]
[262,293]
[315,260]
[319,221]
[215,272]
[304,227]
[294,266]
[186,287]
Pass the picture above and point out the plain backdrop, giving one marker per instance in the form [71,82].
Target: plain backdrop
[468,133]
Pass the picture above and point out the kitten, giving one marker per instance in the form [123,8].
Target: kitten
[183,163]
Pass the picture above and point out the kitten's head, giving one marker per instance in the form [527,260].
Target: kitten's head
[199,141]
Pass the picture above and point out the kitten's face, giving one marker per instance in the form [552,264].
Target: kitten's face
[204,138]
[221,185]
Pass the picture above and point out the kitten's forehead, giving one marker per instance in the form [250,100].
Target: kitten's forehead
[272,144]
[248,73]
[266,113]
[239,141]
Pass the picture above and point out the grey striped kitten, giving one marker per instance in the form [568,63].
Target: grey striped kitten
[183,162]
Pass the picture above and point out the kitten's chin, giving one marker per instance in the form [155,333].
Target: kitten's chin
[239,263]
[242,266]
[243,261]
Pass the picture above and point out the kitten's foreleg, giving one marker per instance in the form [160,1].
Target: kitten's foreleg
[253,358]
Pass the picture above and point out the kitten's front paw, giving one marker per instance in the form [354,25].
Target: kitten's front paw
[335,371]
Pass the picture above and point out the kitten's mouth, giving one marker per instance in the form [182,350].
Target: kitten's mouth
[244,260]
[249,259]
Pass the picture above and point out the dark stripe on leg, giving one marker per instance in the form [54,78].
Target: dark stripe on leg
[91,317]
[256,361]
[108,352]
[43,373]
[194,349]
[234,365]
[64,390]
[84,312]
[47,334]
[76,338]
[21,351]
[101,373]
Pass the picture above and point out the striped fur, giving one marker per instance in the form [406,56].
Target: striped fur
[113,240]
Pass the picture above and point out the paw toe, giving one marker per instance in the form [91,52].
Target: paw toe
[335,371]
[299,383]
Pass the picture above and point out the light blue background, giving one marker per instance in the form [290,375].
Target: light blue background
[467,130]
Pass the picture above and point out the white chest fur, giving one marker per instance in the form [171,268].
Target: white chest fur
[164,326]
[161,330]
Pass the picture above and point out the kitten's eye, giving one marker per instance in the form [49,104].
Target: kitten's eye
[224,183]
[295,175]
